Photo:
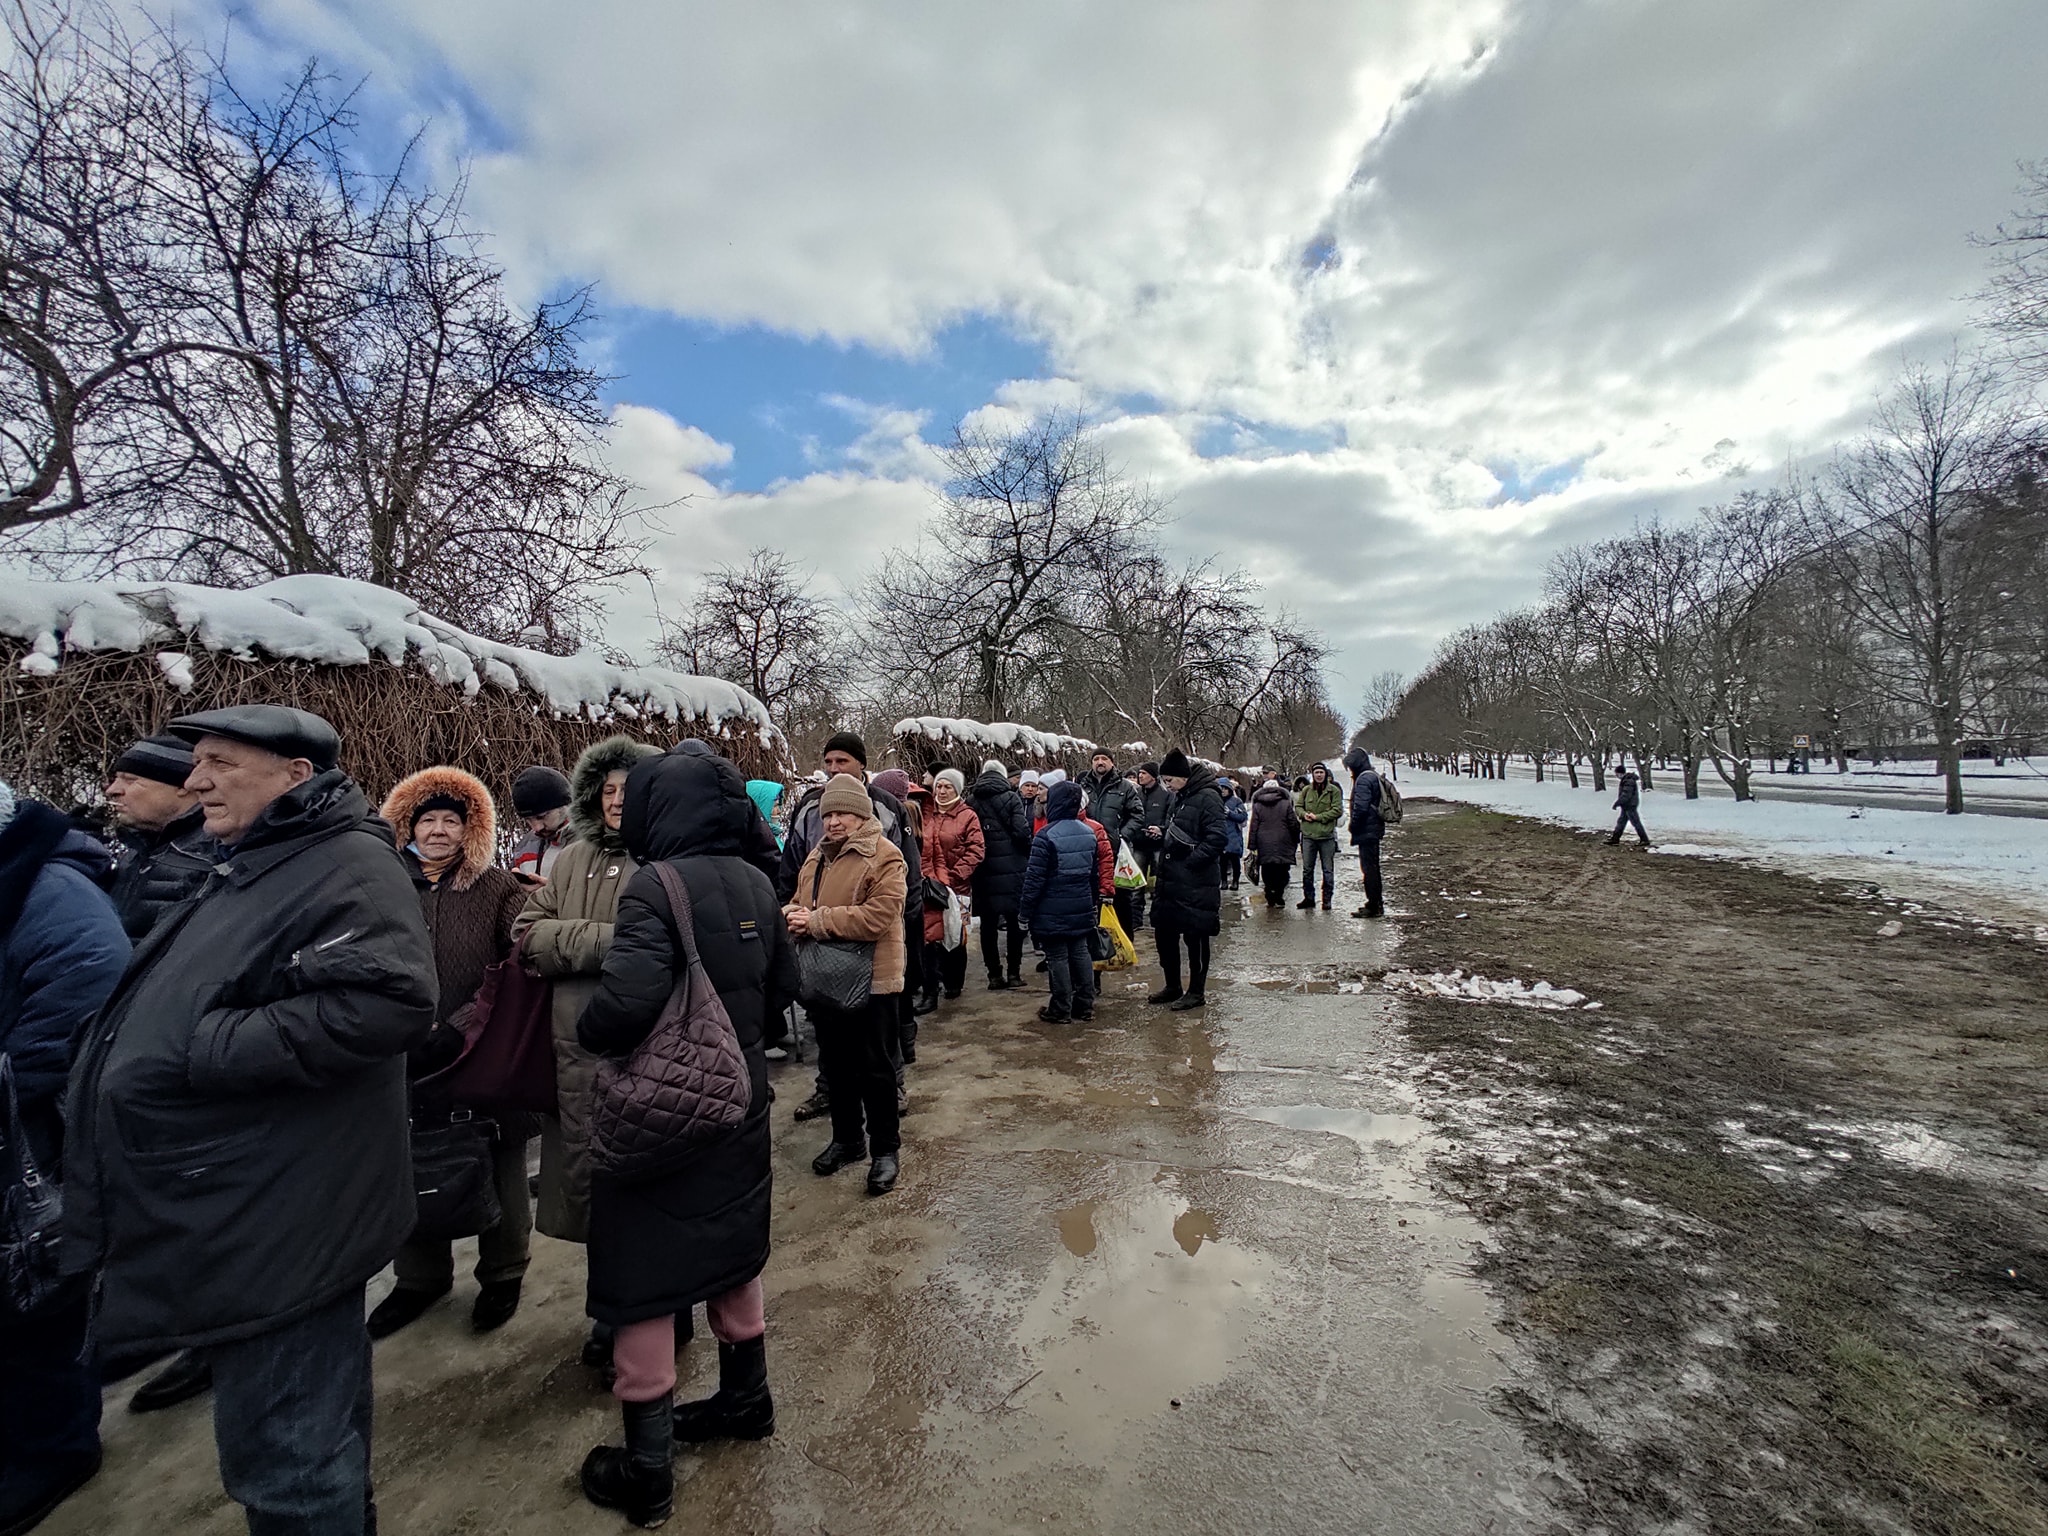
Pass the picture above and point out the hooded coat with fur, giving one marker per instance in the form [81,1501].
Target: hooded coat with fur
[567,926]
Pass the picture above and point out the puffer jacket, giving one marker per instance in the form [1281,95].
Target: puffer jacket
[62,949]
[1188,897]
[1367,825]
[237,1155]
[567,926]
[663,1244]
[1113,802]
[1235,814]
[1154,809]
[1628,791]
[952,851]
[1006,845]
[1059,898]
[1275,831]
[857,893]
[157,870]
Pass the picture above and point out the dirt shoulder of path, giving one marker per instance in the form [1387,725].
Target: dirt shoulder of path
[1773,1219]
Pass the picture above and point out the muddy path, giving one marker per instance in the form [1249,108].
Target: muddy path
[1770,1224]
[1170,1273]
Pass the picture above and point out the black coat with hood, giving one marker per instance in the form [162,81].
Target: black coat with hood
[661,1245]
[1153,808]
[1274,836]
[1190,868]
[236,1146]
[1006,833]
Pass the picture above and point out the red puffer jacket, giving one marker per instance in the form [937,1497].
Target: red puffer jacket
[952,850]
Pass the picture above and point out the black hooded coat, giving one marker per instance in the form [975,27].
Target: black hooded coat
[1189,897]
[1006,840]
[659,1246]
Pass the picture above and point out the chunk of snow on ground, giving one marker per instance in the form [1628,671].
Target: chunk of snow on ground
[1891,930]
[1460,988]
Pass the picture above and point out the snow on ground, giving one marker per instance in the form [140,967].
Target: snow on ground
[331,620]
[1993,865]
[1460,988]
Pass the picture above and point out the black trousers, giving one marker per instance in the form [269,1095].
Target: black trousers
[946,968]
[991,951]
[1369,866]
[1276,878]
[1171,942]
[1233,867]
[856,1049]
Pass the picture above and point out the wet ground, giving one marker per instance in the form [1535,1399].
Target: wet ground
[1165,1273]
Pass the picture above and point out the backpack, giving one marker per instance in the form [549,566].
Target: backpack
[1390,800]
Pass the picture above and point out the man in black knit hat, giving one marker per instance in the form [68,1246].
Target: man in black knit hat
[165,853]
[540,798]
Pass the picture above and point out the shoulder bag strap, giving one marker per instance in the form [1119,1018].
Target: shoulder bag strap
[679,907]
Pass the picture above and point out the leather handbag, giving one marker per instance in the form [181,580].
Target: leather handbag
[683,1085]
[31,1211]
[451,1178]
[837,973]
[508,1057]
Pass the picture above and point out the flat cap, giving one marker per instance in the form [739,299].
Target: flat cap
[274,727]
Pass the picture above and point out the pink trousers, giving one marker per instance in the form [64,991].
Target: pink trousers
[644,1353]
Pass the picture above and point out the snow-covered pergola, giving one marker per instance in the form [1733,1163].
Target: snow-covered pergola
[923,740]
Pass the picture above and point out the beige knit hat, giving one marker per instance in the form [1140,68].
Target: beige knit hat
[845,793]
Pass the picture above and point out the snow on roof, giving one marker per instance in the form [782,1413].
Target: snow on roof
[1003,736]
[338,622]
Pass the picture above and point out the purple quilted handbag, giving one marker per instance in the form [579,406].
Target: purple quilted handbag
[682,1086]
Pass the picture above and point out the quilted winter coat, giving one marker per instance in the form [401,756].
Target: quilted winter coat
[660,1245]
[1006,844]
[953,850]
[569,926]
[1188,897]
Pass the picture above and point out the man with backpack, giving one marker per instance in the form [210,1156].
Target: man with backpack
[1373,804]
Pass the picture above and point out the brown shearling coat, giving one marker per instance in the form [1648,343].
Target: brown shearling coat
[859,896]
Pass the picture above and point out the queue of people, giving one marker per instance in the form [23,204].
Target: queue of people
[251,1015]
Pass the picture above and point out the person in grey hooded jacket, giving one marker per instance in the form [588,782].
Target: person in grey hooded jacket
[237,1163]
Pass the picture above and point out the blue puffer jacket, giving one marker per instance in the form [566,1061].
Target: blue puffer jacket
[1060,877]
[1235,814]
[64,949]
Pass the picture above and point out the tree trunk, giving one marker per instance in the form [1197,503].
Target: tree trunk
[1643,770]
[1742,770]
[1539,769]
[1692,777]
[1598,758]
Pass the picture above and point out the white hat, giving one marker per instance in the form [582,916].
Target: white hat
[1028,776]
[1052,776]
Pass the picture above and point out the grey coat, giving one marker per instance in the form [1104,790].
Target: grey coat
[237,1152]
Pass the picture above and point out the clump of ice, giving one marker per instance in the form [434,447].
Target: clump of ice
[337,622]
[1460,988]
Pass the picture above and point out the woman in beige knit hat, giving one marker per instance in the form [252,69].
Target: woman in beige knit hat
[852,886]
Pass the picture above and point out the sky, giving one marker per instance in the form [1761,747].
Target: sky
[1390,299]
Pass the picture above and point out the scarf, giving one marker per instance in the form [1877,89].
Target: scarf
[434,869]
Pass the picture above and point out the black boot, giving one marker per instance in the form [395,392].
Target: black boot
[996,983]
[741,1408]
[494,1306]
[1305,903]
[637,1479]
[185,1377]
[1167,994]
[837,1155]
[597,1349]
[928,1000]
[402,1306]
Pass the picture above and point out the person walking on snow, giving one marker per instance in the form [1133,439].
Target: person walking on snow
[1628,798]
[237,1167]
[1320,808]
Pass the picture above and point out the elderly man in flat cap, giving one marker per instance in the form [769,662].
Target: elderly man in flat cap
[238,1166]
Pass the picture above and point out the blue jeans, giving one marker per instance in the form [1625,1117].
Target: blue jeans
[1314,851]
[1070,971]
[291,1420]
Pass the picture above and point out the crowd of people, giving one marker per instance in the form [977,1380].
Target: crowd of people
[236,1041]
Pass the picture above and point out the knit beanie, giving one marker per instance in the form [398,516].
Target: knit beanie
[996,765]
[1052,776]
[539,789]
[1151,768]
[850,744]
[1174,765]
[1028,776]
[166,759]
[845,793]
[441,802]
[954,777]
[892,781]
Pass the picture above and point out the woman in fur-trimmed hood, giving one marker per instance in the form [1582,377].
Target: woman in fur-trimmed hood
[447,829]
[567,925]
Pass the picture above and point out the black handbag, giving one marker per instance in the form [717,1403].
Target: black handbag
[936,894]
[31,1210]
[839,973]
[451,1174]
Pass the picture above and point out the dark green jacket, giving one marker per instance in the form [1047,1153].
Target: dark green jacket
[1321,812]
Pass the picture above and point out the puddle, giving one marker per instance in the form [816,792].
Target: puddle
[1077,1229]
[1117,1098]
[1359,1125]
[1192,1227]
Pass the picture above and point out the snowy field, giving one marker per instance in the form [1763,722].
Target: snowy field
[1990,866]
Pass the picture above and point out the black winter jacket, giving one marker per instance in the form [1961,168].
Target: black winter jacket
[1154,809]
[1006,837]
[157,870]
[1628,791]
[1275,832]
[1188,896]
[237,1154]
[1367,824]
[661,1245]
[1113,803]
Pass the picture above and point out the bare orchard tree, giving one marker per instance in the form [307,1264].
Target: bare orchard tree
[762,625]
[974,615]
[1382,697]
[2016,302]
[314,368]
[1904,521]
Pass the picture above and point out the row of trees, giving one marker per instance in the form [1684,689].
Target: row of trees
[1041,594]
[1895,603]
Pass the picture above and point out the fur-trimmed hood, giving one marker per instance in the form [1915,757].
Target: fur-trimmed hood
[586,787]
[479,821]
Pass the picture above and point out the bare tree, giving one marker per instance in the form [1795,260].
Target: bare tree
[762,626]
[2016,302]
[1901,519]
